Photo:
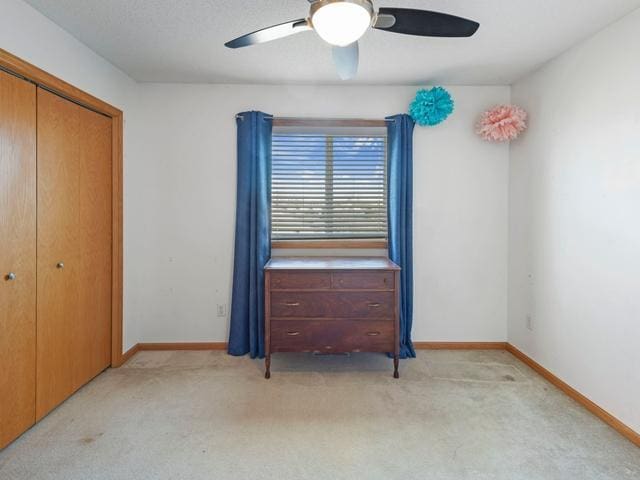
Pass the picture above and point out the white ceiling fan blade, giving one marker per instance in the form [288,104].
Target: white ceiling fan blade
[270,33]
[346,60]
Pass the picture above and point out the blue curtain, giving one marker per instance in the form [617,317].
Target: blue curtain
[400,206]
[253,238]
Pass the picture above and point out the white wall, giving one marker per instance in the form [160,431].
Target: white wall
[189,134]
[31,36]
[575,219]
[25,32]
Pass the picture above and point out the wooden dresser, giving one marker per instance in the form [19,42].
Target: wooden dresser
[331,305]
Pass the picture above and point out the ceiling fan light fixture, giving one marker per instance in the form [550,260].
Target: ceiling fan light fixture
[341,22]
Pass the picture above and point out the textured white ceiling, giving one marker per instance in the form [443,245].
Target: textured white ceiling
[182,41]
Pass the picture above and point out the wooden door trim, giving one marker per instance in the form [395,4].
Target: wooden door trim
[116,244]
[16,65]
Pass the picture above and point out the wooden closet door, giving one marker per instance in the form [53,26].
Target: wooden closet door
[58,201]
[17,256]
[93,333]
[74,238]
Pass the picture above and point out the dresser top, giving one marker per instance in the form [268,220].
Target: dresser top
[330,263]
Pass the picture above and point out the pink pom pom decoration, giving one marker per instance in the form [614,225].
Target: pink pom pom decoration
[502,123]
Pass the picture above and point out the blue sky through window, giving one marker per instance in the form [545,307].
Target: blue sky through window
[328,186]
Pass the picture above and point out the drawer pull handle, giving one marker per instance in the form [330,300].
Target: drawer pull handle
[292,304]
[373,334]
[293,334]
[374,305]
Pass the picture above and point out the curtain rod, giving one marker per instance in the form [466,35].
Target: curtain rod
[335,122]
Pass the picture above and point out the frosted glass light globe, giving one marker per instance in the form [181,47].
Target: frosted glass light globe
[341,23]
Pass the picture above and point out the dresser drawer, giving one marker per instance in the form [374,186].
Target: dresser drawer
[300,280]
[363,280]
[332,336]
[332,304]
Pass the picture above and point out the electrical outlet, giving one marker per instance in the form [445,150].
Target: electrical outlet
[530,323]
[222,310]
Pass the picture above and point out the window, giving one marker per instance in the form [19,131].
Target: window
[329,185]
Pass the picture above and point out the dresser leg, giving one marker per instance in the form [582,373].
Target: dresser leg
[267,365]
[396,364]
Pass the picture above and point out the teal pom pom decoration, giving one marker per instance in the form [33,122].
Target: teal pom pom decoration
[431,107]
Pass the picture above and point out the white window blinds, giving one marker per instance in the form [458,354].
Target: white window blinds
[327,186]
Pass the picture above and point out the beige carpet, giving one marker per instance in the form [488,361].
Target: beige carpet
[205,415]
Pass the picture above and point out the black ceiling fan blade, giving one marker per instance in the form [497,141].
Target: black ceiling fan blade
[270,33]
[424,23]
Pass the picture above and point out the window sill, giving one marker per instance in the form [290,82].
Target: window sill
[360,244]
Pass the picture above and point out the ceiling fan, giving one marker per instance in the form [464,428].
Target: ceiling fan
[341,23]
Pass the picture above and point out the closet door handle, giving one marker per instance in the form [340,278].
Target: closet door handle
[11,276]
[60,265]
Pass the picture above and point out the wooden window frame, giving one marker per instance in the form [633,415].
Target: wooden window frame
[327,122]
[338,243]
[17,66]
